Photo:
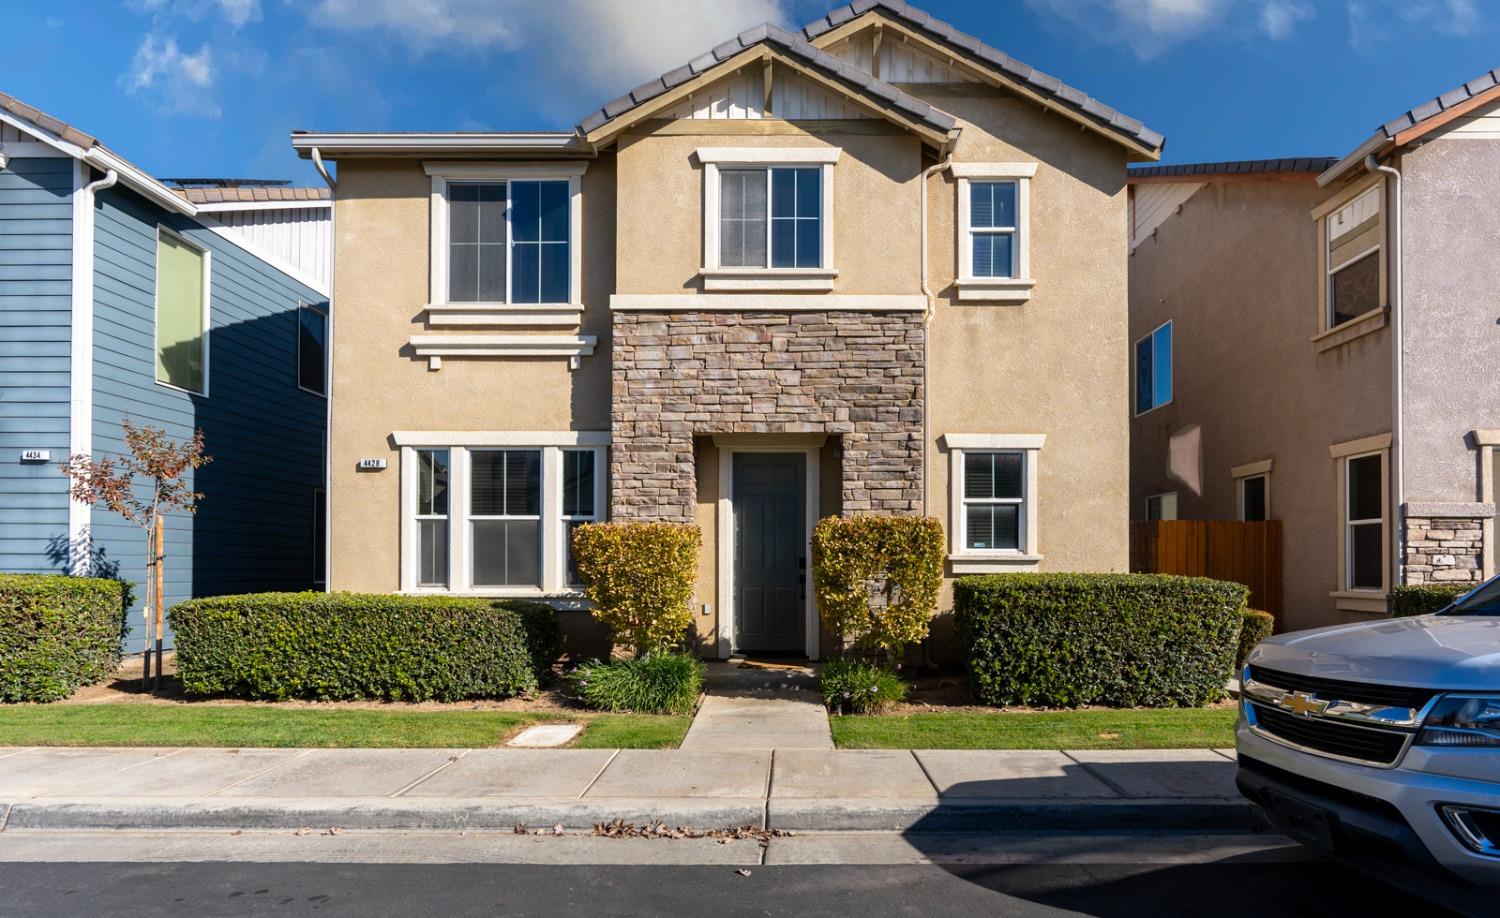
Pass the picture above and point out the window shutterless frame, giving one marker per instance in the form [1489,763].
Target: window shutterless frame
[966,560]
[207,321]
[304,308]
[1353,523]
[1148,374]
[1015,284]
[720,277]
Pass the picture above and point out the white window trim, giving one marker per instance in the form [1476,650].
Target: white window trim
[322,311]
[1330,335]
[1135,379]
[1015,289]
[968,561]
[1365,600]
[459,446]
[443,173]
[208,256]
[747,279]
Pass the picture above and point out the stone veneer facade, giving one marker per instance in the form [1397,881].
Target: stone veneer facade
[1444,550]
[677,375]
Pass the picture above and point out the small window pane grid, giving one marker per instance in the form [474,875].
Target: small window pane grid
[578,504]
[1253,499]
[505,506]
[1153,370]
[992,229]
[786,223]
[993,500]
[1364,522]
[432,517]
[516,230]
[312,349]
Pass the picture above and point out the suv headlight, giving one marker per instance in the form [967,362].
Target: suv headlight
[1462,720]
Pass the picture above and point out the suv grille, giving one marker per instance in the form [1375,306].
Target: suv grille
[1395,696]
[1366,744]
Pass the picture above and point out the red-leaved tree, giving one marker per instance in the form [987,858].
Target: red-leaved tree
[142,485]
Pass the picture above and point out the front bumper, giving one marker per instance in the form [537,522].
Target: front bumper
[1368,814]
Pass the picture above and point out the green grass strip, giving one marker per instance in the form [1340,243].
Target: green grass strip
[634,731]
[1182,728]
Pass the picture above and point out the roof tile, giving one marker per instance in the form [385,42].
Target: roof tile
[1308,164]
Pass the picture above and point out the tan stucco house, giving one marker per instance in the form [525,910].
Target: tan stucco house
[1315,341]
[874,266]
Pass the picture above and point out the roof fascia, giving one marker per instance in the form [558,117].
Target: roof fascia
[1427,126]
[610,130]
[374,143]
[1206,177]
[958,58]
[1378,144]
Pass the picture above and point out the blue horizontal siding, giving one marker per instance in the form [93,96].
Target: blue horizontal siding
[36,259]
[253,528]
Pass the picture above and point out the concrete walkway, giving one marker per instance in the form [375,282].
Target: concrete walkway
[788,789]
[749,708]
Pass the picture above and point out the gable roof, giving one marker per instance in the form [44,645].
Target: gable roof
[1418,122]
[1049,88]
[797,49]
[1243,168]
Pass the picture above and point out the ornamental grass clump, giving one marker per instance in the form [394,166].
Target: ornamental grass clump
[640,577]
[877,579]
[857,687]
[660,683]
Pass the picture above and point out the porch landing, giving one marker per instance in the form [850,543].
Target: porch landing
[750,708]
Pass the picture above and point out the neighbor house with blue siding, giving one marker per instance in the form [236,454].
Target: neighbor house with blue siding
[183,305]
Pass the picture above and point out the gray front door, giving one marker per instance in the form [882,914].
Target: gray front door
[770,552]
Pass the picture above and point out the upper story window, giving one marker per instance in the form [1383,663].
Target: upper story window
[182,313]
[994,204]
[1153,369]
[768,218]
[1352,235]
[506,234]
[312,348]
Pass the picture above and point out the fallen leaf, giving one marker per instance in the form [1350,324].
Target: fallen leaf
[743,872]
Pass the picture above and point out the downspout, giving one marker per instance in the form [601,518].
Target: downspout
[928,310]
[1398,444]
[317,160]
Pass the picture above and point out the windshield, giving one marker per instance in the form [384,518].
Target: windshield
[1483,601]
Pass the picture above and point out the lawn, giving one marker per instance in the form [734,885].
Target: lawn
[1179,728]
[248,726]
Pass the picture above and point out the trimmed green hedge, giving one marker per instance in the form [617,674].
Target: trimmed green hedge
[1255,627]
[58,633]
[346,646]
[1124,640]
[1411,600]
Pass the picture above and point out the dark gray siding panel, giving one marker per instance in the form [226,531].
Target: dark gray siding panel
[36,264]
[253,529]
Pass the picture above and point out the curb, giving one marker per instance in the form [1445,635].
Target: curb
[905,815]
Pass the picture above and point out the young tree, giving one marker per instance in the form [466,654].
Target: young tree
[143,485]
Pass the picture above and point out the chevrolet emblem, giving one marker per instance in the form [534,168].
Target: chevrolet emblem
[1302,703]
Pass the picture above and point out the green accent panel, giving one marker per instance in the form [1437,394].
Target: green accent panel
[181,352]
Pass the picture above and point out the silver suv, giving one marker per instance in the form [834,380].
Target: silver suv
[1380,742]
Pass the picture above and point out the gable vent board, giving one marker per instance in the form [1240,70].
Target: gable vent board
[741,96]
[1151,206]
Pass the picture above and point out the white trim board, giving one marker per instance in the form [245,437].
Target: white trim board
[537,438]
[732,302]
[81,362]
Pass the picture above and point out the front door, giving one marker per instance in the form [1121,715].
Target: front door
[770,552]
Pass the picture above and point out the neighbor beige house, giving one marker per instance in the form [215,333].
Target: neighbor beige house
[871,267]
[1316,342]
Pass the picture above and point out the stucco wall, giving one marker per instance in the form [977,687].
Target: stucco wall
[1236,272]
[1452,339]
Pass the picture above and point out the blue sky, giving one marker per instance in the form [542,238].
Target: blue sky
[213,87]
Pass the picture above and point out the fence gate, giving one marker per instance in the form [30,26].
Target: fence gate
[1248,553]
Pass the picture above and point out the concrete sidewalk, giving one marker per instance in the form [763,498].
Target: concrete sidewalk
[757,708]
[791,789]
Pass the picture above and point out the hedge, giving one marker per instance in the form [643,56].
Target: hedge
[1255,627]
[640,577]
[1124,640]
[896,561]
[58,633]
[1421,599]
[348,646]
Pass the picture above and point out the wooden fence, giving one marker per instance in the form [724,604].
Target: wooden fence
[1248,553]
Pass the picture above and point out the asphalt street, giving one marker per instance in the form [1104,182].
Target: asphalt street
[1281,881]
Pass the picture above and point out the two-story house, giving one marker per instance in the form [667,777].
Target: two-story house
[191,305]
[1314,342]
[874,266]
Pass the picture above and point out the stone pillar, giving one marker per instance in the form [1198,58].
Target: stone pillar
[1444,542]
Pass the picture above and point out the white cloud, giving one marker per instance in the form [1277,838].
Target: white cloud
[424,25]
[239,12]
[1373,22]
[175,82]
[1279,18]
[1147,27]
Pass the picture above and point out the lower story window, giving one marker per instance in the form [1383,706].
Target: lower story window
[1364,522]
[993,481]
[1255,498]
[1162,506]
[497,519]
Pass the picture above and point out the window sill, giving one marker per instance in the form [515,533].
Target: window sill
[994,290]
[1361,601]
[565,315]
[802,280]
[993,563]
[1372,321]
